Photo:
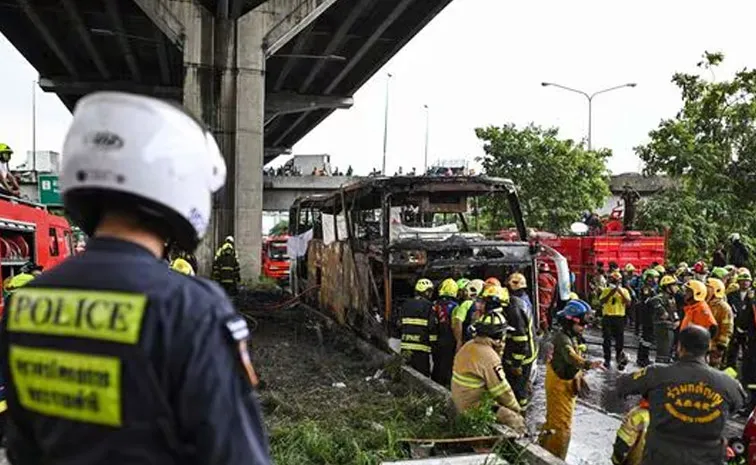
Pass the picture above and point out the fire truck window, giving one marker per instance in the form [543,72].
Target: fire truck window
[54,251]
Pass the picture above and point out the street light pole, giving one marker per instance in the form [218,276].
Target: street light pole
[34,127]
[589,97]
[427,130]
[385,123]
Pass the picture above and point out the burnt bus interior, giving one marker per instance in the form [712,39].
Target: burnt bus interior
[372,240]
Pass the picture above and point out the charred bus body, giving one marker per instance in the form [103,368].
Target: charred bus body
[358,252]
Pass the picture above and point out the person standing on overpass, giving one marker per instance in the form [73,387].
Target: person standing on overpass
[689,403]
[140,364]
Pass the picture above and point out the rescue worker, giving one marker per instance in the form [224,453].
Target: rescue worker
[697,311]
[547,284]
[740,301]
[722,313]
[745,326]
[462,289]
[645,314]
[689,404]
[630,282]
[564,376]
[521,350]
[700,271]
[615,300]
[182,266]
[494,281]
[446,344]
[478,370]
[8,183]
[464,315]
[165,357]
[631,435]
[226,267]
[664,313]
[418,327]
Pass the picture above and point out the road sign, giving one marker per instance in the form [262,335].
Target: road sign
[48,189]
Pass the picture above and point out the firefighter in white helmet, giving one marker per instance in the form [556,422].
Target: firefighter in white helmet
[149,363]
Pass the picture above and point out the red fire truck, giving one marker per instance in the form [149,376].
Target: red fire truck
[29,232]
[275,261]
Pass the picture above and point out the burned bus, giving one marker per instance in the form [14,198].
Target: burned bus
[358,251]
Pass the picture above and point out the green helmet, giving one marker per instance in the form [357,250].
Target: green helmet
[462,283]
[650,273]
[719,272]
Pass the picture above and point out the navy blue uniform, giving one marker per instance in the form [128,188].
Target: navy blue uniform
[113,358]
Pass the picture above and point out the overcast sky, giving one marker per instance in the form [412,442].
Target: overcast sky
[481,62]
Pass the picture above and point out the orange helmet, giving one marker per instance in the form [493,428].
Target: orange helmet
[517,281]
[493,281]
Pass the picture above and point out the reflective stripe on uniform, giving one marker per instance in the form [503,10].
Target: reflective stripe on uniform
[468,381]
[415,347]
[415,321]
[433,338]
[519,338]
[500,389]
[518,356]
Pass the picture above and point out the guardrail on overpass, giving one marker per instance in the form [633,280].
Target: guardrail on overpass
[279,192]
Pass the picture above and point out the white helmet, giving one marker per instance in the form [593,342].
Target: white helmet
[140,153]
[230,239]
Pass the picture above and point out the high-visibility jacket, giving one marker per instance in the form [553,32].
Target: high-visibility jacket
[699,314]
[616,305]
[226,266]
[722,313]
[418,325]
[19,280]
[631,436]
[477,370]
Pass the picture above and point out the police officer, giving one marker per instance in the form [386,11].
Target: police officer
[690,403]
[418,327]
[134,363]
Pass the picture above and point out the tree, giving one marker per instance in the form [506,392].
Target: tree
[280,228]
[557,179]
[709,147]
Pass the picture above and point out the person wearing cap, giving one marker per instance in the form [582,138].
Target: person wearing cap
[689,403]
[740,301]
[723,315]
[148,362]
[226,267]
[615,300]
[566,362]
[478,371]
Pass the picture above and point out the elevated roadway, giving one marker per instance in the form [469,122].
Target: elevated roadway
[261,74]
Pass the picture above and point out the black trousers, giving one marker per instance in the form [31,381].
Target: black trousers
[645,343]
[737,341]
[520,382]
[443,361]
[749,369]
[418,360]
[613,328]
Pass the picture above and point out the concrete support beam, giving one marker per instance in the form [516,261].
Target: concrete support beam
[64,86]
[86,38]
[273,152]
[289,102]
[160,13]
[47,36]
[294,22]
[123,40]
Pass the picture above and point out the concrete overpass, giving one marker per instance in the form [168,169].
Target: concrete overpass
[281,191]
[261,74]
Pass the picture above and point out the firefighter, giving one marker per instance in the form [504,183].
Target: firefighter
[615,300]
[546,291]
[462,289]
[494,281]
[740,300]
[182,266]
[564,376]
[418,327]
[665,315]
[521,350]
[478,369]
[745,326]
[645,313]
[464,315]
[8,182]
[722,313]
[689,404]
[697,311]
[226,267]
[631,435]
[446,345]
[147,362]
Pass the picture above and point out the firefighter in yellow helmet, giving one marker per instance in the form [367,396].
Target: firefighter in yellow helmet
[521,350]
[722,313]
[182,266]
[464,315]
[564,376]
[418,327]
[697,311]
[446,345]
[631,435]
[478,370]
